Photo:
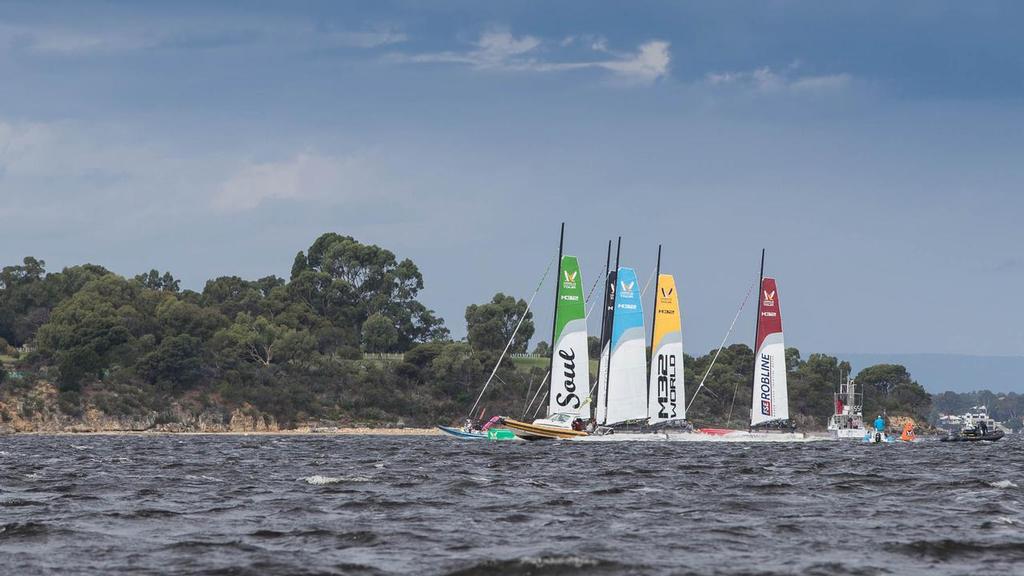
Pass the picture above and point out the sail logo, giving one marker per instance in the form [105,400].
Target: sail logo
[766,384]
[666,385]
[627,289]
[569,373]
[666,292]
[769,298]
[570,278]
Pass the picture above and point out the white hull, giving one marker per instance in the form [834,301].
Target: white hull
[733,437]
[848,433]
[624,437]
[745,436]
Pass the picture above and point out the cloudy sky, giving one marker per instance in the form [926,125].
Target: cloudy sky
[876,150]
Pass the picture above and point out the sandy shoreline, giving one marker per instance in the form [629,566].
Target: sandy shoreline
[294,432]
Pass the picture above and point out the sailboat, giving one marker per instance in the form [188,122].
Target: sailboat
[570,362]
[622,395]
[640,396]
[666,395]
[769,410]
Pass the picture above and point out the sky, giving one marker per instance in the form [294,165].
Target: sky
[874,149]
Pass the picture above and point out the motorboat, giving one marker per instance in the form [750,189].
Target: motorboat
[977,426]
[847,423]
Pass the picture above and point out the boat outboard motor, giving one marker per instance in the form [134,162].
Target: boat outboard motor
[878,436]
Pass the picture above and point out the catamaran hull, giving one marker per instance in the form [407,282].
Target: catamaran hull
[990,437]
[702,436]
[624,437]
[528,431]
[725,435]
[855,434]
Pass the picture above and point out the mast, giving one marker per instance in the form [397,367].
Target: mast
[611,325]
[654,319]
[604,319]
[757,330]
[554,310]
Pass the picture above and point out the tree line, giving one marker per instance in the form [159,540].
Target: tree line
[301,349]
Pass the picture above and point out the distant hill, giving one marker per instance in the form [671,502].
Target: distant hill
[952,372]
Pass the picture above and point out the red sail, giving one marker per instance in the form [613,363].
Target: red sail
[770,320]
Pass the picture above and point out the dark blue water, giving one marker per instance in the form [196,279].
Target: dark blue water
[431,505]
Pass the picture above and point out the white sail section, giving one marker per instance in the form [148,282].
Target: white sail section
[627,377]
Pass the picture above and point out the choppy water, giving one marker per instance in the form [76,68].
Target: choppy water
[432,505]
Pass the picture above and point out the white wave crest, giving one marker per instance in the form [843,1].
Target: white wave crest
[318,480]
[1002,484]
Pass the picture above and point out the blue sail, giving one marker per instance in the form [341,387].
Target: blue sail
[627,373]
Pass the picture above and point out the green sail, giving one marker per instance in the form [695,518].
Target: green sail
[570,366]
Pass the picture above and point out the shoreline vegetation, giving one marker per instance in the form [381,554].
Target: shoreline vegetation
[301,431]
[343,340]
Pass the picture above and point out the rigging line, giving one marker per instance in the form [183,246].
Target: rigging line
[592,288]
[541,403]
[529,388]
[648,283]
[512,338]
[727,334]
[537,393]
[728,421]
[594,303]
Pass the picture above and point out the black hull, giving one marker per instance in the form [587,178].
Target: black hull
[990,437]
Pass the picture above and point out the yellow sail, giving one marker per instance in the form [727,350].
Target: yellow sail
[666,398]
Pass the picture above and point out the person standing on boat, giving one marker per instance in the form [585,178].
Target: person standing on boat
[880,423]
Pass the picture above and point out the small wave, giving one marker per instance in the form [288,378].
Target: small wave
[358,538]
[1002,484]
[947,549]
[80,447]
[201,477]
[23,530]
[318,480]
[545,565]
[17,503]
[213,544]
